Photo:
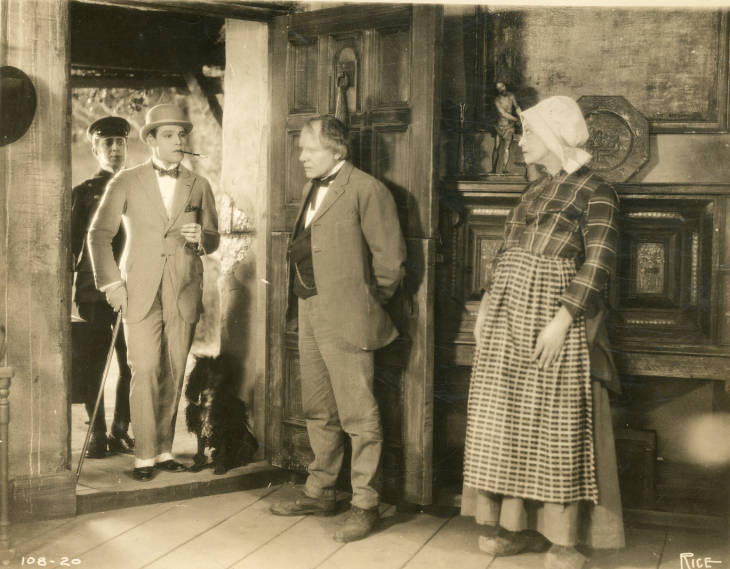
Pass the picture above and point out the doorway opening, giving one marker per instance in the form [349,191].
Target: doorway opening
[145,58]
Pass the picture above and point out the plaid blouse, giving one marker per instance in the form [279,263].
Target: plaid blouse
[571,216]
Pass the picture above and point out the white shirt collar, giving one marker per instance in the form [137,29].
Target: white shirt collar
[336,168]
[159,164]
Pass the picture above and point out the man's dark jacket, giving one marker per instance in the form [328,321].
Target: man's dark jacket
[85,199]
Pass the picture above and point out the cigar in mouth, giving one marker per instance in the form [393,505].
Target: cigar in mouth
[194,154]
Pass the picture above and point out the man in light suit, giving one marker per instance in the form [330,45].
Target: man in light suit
[170,218]
[347,258]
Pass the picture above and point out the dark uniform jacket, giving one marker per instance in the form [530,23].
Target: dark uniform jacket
[85,199]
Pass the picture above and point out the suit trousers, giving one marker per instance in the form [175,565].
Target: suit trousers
[158,347]
[91,340]
[338,398]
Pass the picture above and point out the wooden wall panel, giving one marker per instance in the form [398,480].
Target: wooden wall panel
[721,297]
[278,49]
[302,61]
[665,270]
[35,292]
[390,165]
[275,404]
[292,387]
[393,58]
[295,178]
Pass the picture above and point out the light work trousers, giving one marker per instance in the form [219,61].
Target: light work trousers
[337,398]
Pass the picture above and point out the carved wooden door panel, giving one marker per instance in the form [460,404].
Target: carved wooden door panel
[375,67]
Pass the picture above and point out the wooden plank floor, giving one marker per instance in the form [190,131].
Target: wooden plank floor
[107,483]
[236,531]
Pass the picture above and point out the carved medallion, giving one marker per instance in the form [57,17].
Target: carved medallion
[619,137]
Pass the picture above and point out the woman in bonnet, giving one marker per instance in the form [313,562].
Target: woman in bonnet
[540,463]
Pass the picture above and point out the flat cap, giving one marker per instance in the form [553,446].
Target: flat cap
[108,126]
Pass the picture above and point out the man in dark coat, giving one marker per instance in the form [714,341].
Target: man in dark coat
[92,332]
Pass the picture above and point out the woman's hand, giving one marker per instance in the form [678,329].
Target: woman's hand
[551,339]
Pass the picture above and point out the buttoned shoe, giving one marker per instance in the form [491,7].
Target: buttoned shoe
[303,505]
[121,443]
[562,557]
[358,524]
[144,473]
[507,542]
[171,466]
[97,445]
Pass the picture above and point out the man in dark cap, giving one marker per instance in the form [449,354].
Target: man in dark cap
[92,334]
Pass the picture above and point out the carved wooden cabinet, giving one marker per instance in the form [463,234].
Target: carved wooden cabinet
[670,318]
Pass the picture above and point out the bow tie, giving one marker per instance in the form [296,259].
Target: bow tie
[172,172]
[318,182]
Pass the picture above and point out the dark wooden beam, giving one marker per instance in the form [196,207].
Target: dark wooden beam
[112,80]
[261,11]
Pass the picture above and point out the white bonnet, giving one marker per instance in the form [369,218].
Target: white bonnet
[559,122]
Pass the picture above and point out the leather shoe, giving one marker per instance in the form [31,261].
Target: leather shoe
[304,505]
[121,443]
[97,445]
[359,524]
[144,473]
[171,466]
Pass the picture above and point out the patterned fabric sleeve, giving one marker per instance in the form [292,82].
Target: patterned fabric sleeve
[600,237]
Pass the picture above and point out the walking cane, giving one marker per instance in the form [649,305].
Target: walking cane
[109,355]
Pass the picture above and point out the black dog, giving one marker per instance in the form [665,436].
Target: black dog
[217,416]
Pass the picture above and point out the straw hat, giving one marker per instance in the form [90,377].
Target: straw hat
[162,115]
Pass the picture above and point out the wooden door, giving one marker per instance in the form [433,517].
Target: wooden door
[389,56]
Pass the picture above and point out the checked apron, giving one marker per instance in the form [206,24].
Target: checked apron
[529,431]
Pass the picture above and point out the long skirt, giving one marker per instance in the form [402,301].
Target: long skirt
[530,432]
[598,525]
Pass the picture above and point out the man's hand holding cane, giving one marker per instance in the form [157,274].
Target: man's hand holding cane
[116,296]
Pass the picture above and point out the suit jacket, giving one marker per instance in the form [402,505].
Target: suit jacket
[358,253]
[153,239]
[85,199]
